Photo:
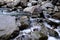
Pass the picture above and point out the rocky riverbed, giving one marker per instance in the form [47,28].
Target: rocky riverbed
[38,20]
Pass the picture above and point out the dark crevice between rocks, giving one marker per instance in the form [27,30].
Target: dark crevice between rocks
[13,35]
[22,27]
[53,24]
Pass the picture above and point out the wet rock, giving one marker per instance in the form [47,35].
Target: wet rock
[56,15]
[7,26]
[2,4]
[24,2]
[44,37]
[56,9]
[24,19]
[50,10]
[14,34]
[54,2]
[39,36]
[45,30]
[23,26]
[53,22]
[12,9]
[32,36]
[53,33]
[24,22]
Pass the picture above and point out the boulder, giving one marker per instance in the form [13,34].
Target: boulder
[24,22]
[29,9]
[34,10]
[7,26]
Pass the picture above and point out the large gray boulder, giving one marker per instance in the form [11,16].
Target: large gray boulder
[7,26]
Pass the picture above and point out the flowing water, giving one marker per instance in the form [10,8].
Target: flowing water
[33,24]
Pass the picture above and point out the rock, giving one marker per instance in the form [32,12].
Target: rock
[32,36]
[44,37]
[24,22]
[24,2]
[23,26]
[54,2]
[53,33]
[53,21]
[9,3]
[29,4]
[39,36]
[13,3]
[56,15]
[2,3]
[29,9]
[45,5]
[50,10]
[45,30]
[44,2]
[56,9]
[7,26]
[24,19]
[34,10]
[34,3]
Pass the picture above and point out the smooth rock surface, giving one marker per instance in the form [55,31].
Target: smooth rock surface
[7,26]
